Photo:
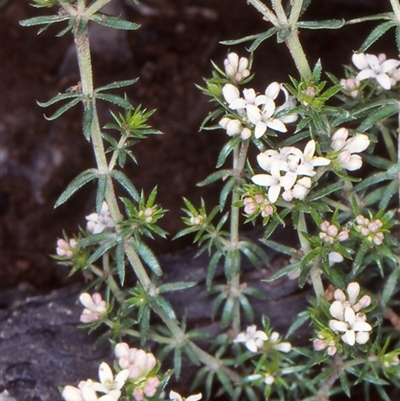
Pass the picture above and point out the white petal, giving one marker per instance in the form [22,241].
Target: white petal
[238,104]
[230,93]
[121,378]
[268,109]
[253,113]
[384,81]
[71,393]
[284,347]
[349,337]
[339,295]
[276,125]
[249,95]
[105,373]
[362,337]
[335,257]
[373,61]
[353,290]
[309,150]
[360,61]
[195,397]
[87,301]
[337,325]
[233,60]
[288,180]
[260,129]
[273,90]
[175,396]
[320,161]
[336,310]
[349,315]
[261,99]
[362,326]
[265,180]
[251,345]
[389,65]
[273,193]
[365,74]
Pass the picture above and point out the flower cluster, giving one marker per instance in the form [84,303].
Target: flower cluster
[87,390]
[254,340]
[66,248]
[348,318]
[371,230]
[348,148]
[98,222]
[236,67]
[140,366]
[258,204]
[385,72]
[330,233]
[293,163]
[95,307]
[259,111]
[351,86]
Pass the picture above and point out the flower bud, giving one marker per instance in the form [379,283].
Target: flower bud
[319,344]
[378,238]
[343,235]
[353,289]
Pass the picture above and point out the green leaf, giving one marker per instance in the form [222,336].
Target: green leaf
[125,183]
[114,22]
[375,35]
[286,250]
[258,36]
[261,37]
[390,286]
[325,191]
[226,190]
[227,312]
[398,38]
[78,182]
[324,24]
[212,266]
[344,382]
[377,117]
[218,175]
[99,252]
[44,20]
[148,257]
[116,85]
[165,306]
[58,98]
[390,191]
[62,109]
[118,100]
[302,318]
[283,272]
[177,362]
[227,149]
[177,286]
[87,120]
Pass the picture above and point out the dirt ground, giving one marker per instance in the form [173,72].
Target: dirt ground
[169,53]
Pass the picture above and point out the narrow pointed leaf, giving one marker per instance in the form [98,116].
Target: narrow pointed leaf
[323,24]
[120,262]
[218,175]
[177,286]
[58,98]
[63,109]
[375,35]
[101,191]
[115,85]
[43,20]
[125,183]
[148,257]
[114,22]
[118,100]
[76,183]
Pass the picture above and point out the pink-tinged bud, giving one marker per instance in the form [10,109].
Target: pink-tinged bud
[343,235]
[364,231]
[138,394]
[353,290]
[250,208]
[267,211]
[332,230]
[339,295]
[324,226]
[378,238]
[319,344]
[374,226]
[269,379]
[364,302]
[339,139]
[259,198]
[150,388]
[361,220]
[331,350]
[64,248]
[362,337]
[357,143]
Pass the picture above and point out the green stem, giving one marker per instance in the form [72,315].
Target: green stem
[315,272]
[85,67]
[396,9]
[118,294]
[239,162]
[96,7]
[265,11]
[280,12]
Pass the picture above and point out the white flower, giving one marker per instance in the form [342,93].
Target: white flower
[351,86]
[334,257]
[94,305]
[108,384]
[85,392]
[280,346]
[310,159]
[236,68]
[347,147]
[253,338]
[234,127]
[269,379]
[372,66]
[177,397]
[97,223]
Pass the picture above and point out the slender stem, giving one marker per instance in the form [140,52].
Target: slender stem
[298,55]
[315,272]
[118,294]
[96,7]
[265,11]
[81,38]
[280,12]
[295,12]
[396,9]
[81,6]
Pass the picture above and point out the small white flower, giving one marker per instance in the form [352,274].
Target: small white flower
[65,248]
[236,67]
[269,379]
[97,223]
[347,147]
[253,338]
[280,346]
[375,67]
[174,396]
[334,257]
[108,384]
[94,305]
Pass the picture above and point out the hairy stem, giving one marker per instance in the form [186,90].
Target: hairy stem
[396,9]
